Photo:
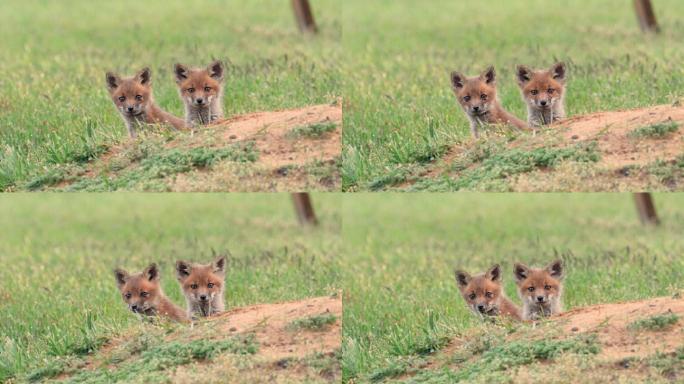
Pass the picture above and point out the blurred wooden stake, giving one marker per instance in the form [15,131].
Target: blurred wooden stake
[646,208]
[304,209]
[304,17]
[646,16]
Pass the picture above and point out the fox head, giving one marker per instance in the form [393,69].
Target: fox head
[201,283]
[539,286]
[482,293]
[542,89]
[131,95]
[141,291]
[475,94]
[199,87]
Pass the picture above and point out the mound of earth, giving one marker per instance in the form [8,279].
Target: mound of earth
[291,342]
[288,150]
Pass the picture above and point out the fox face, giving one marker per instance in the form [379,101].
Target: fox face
[199,87]
[476,95]
[540,287]
[141,292]
[131,96]
[542,89]
[482,293]
[202,285]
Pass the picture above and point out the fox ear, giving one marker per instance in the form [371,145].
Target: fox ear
[113,80]
[494,273]
[462,279]
[183,269]
[121,277]
[151,273]
[181,72]
[489,75]
[144,76]
[457,79]
[523,74]
[521,271]
[215,70]
[219,264]
[555,269]
[558,71]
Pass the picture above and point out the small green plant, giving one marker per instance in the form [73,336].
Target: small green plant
[655,130]
[312,131]
[655,322]
[313,323]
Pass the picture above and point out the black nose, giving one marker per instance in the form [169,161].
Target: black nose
[134,307]
[130,109]
[481,308]
[203,297]
[200,101]
[476,109]
[543,102]
[540,298]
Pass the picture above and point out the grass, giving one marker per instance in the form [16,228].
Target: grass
[401,112]
[401,301]
[312,131]
[313,323]
[56,109]
[59,299]
[655,322]
[655,130]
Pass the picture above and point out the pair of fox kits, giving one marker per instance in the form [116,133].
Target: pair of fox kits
[539,289]
[200,89]
[202,286]
[542,90]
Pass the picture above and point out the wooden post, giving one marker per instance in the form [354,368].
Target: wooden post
[304,16]
[646,16]
[646,208]
[304,209]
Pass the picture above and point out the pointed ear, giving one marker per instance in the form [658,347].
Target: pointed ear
[215,70]
[151,273]
[558,71]
[494,273]
[183,269]
[181,72]
[462,279]
[113,81]
[457,79]
[121,276]
[219,265]
[144,76]
[555,269]
[489,75]
[521,271]
[523,73]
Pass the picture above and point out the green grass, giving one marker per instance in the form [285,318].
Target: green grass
[401,302]
[312,131]
[399,107]
[313,323]
[655,130]
[59,300]
[56,109]
[655,322]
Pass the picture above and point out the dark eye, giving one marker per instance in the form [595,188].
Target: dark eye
[194,286]
[144,294]
[210,285]
[207,89]
[550,90]
[534,91]
[472,296]
[122,98]
[531,289]
[128,295]
[466,98]
[489,294]
[191,90]
[138,97]
[547,287]
[483,96]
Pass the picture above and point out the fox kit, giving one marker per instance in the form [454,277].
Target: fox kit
[202,286]
[143,294]
[540,289]
[133,99]
[484,294]
[477,96]
[202,93]
[544,94]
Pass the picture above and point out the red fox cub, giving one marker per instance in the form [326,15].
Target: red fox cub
[477,97]
[484,294]
[133,99]
[540,289]
[143,294]
[202,286]
[544,94]
[202,93]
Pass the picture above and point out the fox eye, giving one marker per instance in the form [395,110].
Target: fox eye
[122,98]
[191,90]
[144,294]
[128,295]
[472,296]
[483,96]
[489,294]
[193,286]
[550,90]
[138,97]
[210,285]
[466,98]
[547,287]
[531,289]
[534,91]
[207,89]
